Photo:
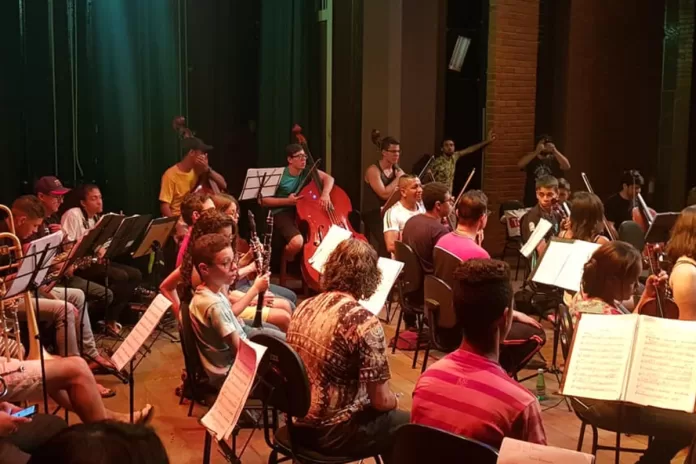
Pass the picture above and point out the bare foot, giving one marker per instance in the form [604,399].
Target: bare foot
[144,416]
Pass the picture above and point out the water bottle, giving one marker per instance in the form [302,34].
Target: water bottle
[540,385]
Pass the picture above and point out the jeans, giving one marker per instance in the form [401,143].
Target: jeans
[244,285]
[93,290]
[17,448]
[83,327]
[367,433]
[53,312]
[123,280]
[673,430]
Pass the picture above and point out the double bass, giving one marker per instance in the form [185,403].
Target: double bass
[317,220]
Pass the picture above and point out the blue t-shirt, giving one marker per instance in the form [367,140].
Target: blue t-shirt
[288,184]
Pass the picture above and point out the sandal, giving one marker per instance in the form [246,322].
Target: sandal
[105,392]
[145,415]
[110,330]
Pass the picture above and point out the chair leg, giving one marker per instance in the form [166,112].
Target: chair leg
[581,438]
[618,448]
[595,438]
[419,322]
[517,269]
[425,359]
[206,447]
[398,326]
[193,401]
[283,271]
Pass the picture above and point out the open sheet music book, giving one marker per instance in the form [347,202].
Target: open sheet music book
[521,452]
[223,416]
[390,272]
[35,265]
[563,263]
[332,239]
[632,358]
[540,231]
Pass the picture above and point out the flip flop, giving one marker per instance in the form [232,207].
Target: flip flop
[145,419]
[105,392]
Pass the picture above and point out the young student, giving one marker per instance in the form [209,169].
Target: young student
[681,250]
[409,205]
[218,331]
[467,392]
[191,208]
[544,161]
[547,196]
[563,190]
[619,206]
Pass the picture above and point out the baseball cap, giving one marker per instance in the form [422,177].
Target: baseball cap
[49,185]
[194,143]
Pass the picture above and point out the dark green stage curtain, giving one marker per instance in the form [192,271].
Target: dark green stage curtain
[289,90]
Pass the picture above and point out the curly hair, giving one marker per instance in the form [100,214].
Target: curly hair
[211,222]
[586,214]
[683,240]
[614,259]
[352,268]
[223,201]
[193,202]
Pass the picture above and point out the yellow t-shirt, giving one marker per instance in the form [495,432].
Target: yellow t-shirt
[175,185]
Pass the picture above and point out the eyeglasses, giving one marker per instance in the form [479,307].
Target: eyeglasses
[393,151]
[299,156]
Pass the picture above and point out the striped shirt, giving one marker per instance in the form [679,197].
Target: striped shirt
[469,395]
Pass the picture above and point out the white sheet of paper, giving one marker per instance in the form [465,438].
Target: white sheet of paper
[390,272]
[542,228]
[551,264]
[663,370]
[521,452]
[224,414]
[29,264]
[141,331]
[570,277]
[332,239]
[598,366]
[253,180]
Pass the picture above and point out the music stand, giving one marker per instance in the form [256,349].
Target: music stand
[130,230]
[261,183]
[661,227]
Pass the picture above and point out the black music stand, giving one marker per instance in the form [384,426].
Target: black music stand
[153,241]
[661,227]
[261,183]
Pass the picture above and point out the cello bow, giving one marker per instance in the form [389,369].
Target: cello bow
[607,227]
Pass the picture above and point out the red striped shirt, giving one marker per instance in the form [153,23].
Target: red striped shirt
[472,396]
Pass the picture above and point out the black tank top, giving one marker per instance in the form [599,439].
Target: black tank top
[372,200]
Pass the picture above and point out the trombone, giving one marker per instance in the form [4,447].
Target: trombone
[14,251]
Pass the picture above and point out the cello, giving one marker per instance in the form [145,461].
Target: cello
[642,214]
[315,217]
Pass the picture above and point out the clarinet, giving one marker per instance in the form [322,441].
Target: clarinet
[262,257]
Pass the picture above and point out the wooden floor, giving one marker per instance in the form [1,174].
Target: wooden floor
[159,375]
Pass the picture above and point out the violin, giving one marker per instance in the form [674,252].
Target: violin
[205,183]
[642,214]
[315,217]
[452,218]
[610,230]
[662,305]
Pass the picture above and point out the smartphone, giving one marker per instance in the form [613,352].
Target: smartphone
[27,412]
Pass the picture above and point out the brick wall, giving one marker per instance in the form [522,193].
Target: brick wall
[511,96]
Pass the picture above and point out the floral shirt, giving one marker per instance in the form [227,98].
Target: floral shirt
[584,304]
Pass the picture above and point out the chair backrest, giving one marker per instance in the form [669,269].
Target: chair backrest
[438,298]
[284,384]
[509,205]
[411,279]
[566,334]
[445,263]
[415,444]
[631,232]
[192,361]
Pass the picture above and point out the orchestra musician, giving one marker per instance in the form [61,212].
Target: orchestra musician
[681,250]
[445,162]
[547,196]
[283,203]
[610,276]
[182,178]
[618,207]
[409,205]
[563,190]
[123,279]
[383,178]
[585,222]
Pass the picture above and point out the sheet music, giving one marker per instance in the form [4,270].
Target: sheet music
[223,416]
[253,180]
[540,231]
[521,452]
[599,360]
[551,264]
[570,277]
[140,332]
[663,372]
[332,239]
[390,272]
[29,264]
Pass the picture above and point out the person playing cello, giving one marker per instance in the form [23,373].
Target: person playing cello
[285,200]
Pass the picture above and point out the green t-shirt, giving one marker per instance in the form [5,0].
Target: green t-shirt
[288,184]
[443,167]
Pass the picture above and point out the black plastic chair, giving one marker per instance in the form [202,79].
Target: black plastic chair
[284,387]
[442,320]
[631,232]
[444,264]
[513,244]
[418,444]
[566,338]
[410,288]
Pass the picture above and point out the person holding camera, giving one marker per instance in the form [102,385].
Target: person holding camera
[545,160]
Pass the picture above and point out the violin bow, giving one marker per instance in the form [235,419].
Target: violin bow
[607,227]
